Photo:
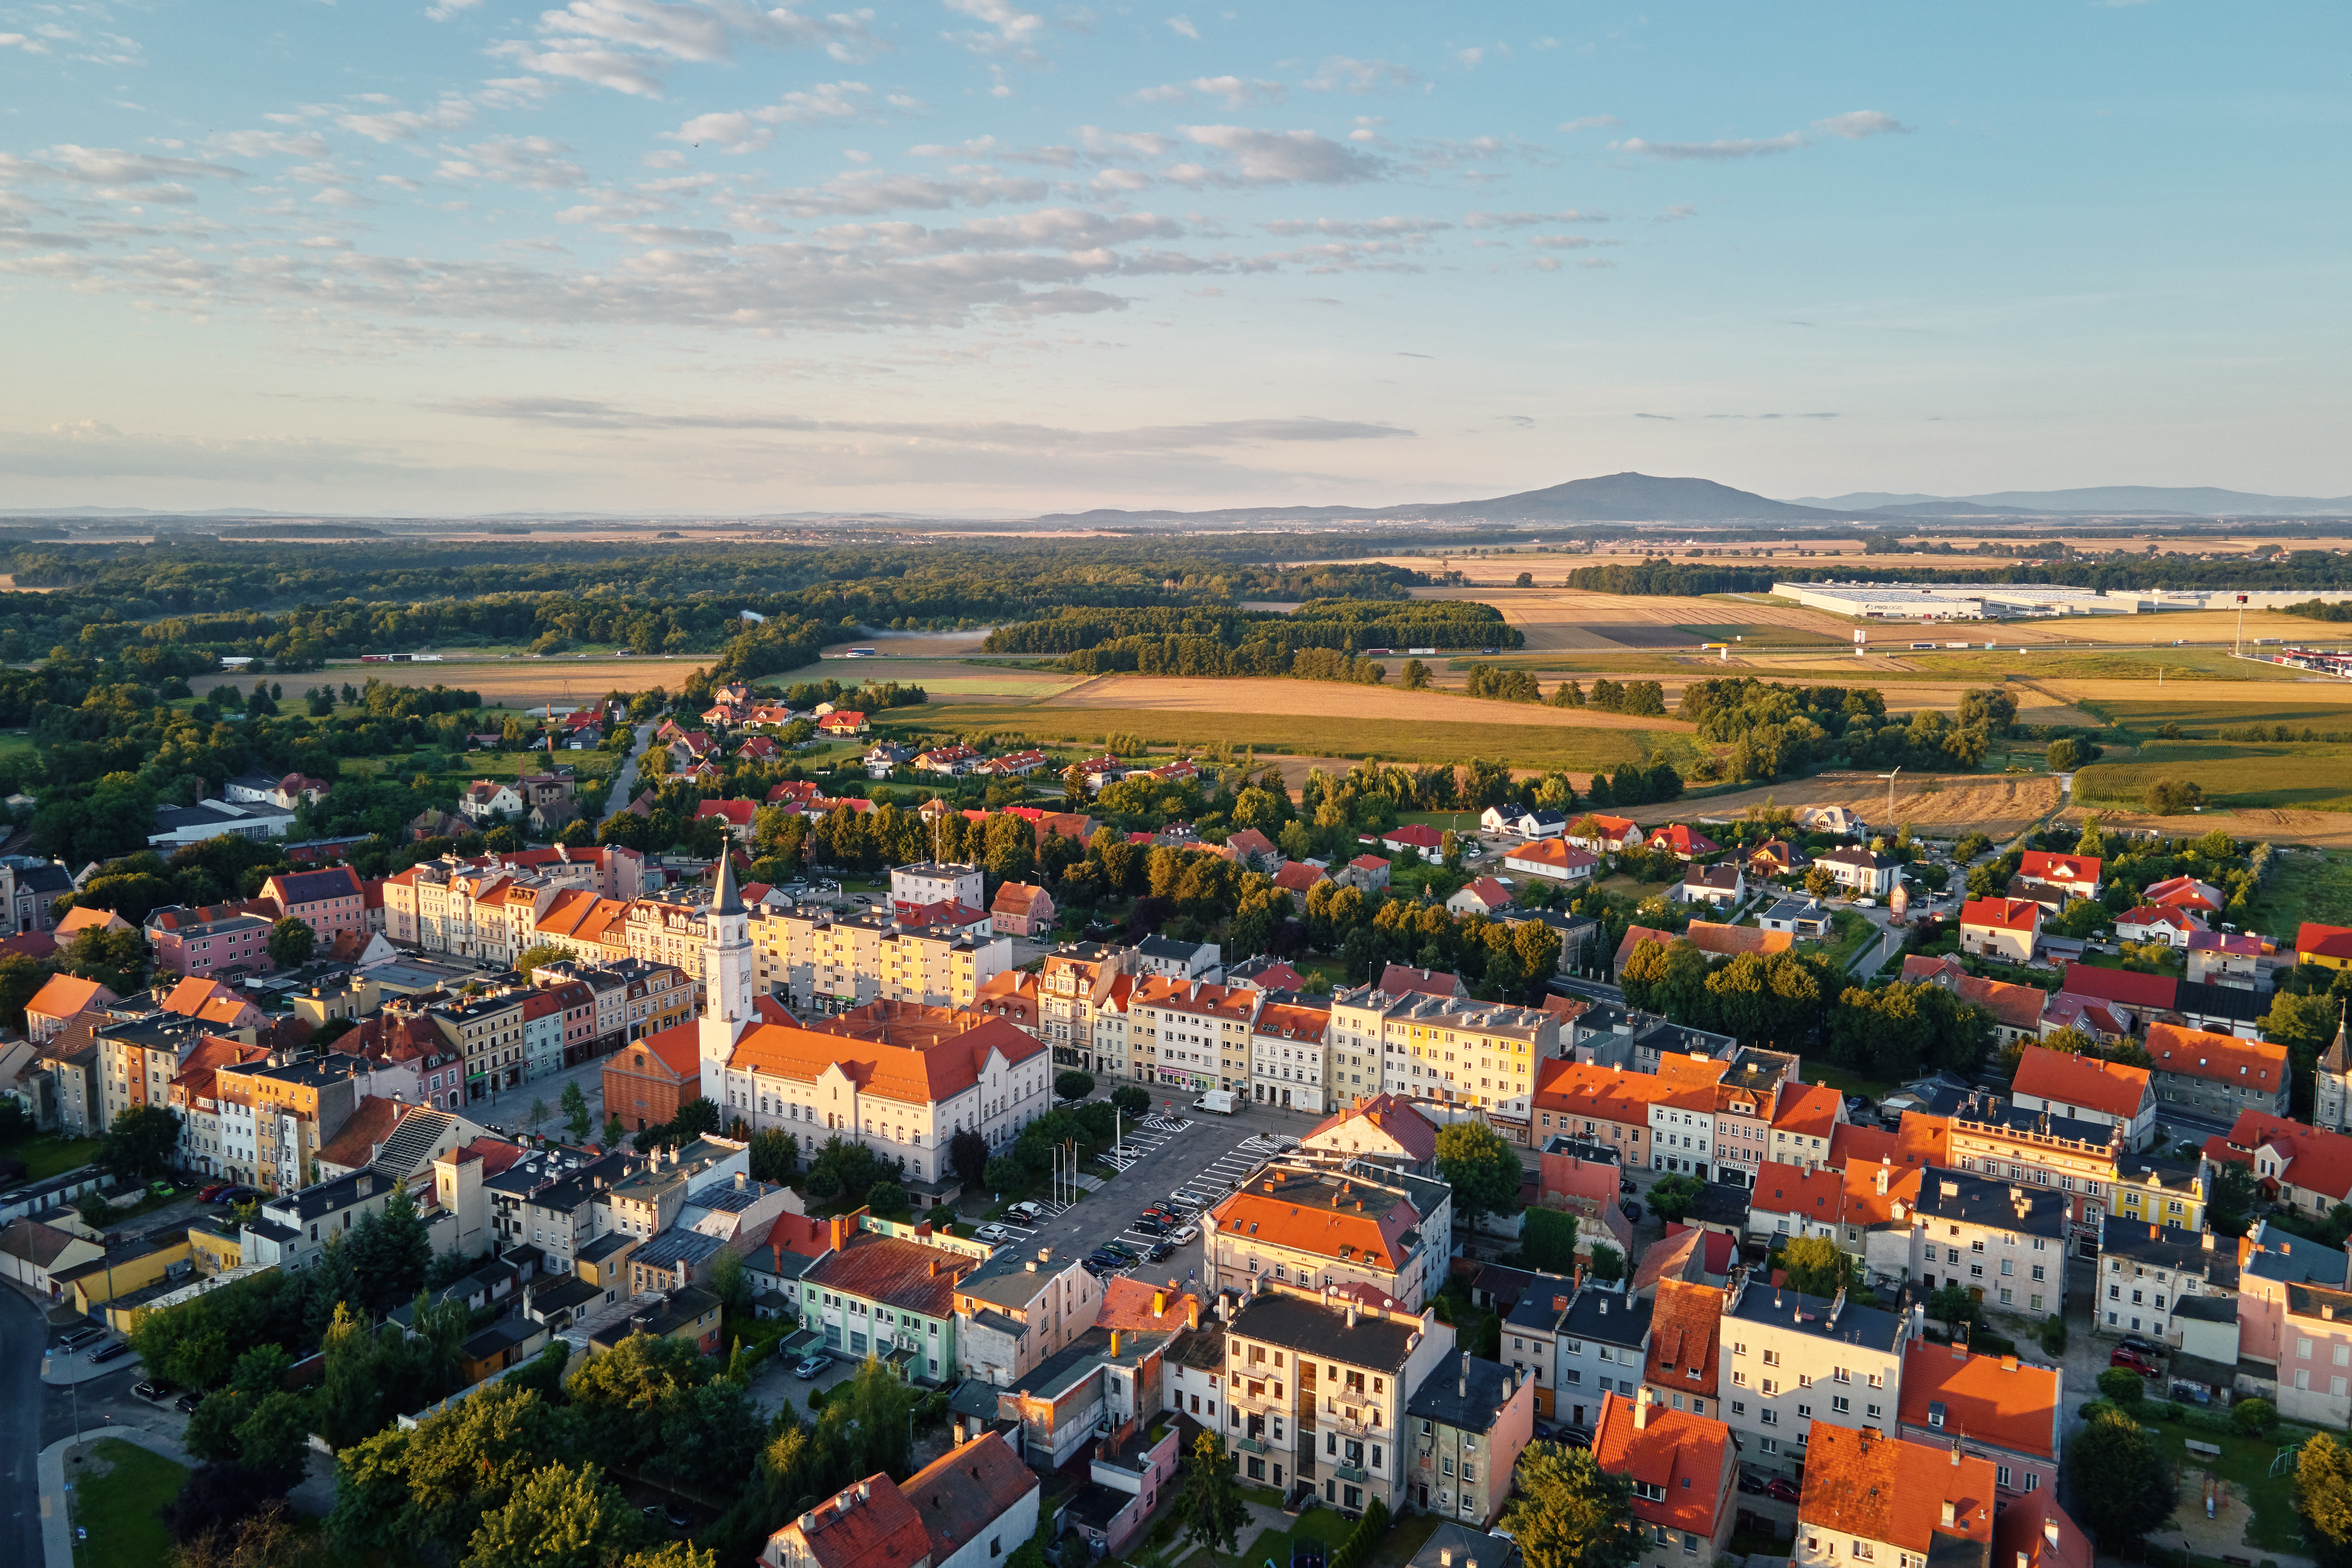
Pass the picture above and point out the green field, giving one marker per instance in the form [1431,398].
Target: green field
[2303,888]
[50,1156]
[1523,745]
[120,1508]
[2206,711]
[2280,776]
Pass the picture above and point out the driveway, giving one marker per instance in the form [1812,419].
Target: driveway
[624,783]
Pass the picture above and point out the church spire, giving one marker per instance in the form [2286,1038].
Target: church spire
[2338,1059]
[726,901]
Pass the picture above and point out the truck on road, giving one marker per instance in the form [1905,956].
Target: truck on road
[1220,1101]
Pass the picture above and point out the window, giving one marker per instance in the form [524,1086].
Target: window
[1839,1405]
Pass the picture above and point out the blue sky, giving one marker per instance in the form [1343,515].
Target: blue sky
[399,255]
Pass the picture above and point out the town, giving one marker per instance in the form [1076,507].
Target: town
[1465,1206]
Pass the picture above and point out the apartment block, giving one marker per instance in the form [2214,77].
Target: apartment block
[1995,1408]
[1312,1227]
[1790,1359]
[1451,1049]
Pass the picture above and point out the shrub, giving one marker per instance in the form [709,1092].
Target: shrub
[2254,1416]
[2122,1385]
[2053,1337]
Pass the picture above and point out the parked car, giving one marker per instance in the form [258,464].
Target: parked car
[212,1190]
[1160,1249]
[812,1365]
[992,1234]
[1751,1483]
[2139,1346]
[107,1353]
[78,1338]
[1625,1186]
[1185,1237]
[1631,1209]
[677,1515]
[1127,1152]
[186,1403]
[1025,1213]
[151,1388]
[1782,1491]
[2133,1359]
[1149,1226]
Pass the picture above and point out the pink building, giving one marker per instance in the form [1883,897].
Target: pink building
[1581,1178]
[213,938]
[330,902]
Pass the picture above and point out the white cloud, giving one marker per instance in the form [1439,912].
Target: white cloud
[19,41]
[1236,91]
[113,168]
[833,102]
[1851,126]
[615,69]
[269,145]
[1379,228]
[1482,219]
[1341,74]
[1592,123]
[1183,28]
[406,125]
[626,45]
[1269,157]
[534,163]
[1470,57]
[1855,124]
[1014,32]
[442,10]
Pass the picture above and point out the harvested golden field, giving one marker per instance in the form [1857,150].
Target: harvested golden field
[1558,618]
[2210,704]
[517,682]
[1333,700]
[2324,829]
[1997,804]
[889,646]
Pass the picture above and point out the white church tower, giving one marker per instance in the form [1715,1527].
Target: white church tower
[725,981]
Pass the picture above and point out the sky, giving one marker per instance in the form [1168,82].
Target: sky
[969,256]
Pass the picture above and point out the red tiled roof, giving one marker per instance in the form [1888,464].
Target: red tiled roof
[1397,979]
[2021,1535]
[1395,1119]
[737,813]
[2160,915]
[1985,1398]
[2046,866]
[965,1490]
[2002,914]
[1684,839]
[1489,892]
[2257,1065]
[1577,1088]
[2127,986]
[1867,1487]
[1420,836]
[938,1052]
[1685,1337]
[1812,1111]
[2317,1161]
[1305,1215]
[878,1529]
[2112,1088]
[1557,854]
[63,995]
[1671,1451]
[2313,940]
[1789,1189]
[908,1275]
[1296,876]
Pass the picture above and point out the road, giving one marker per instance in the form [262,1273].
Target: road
[626,780]
[24,1332]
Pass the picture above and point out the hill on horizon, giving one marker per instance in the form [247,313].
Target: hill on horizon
[2185,501]
[1608,498]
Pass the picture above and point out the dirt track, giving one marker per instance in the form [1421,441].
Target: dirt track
[1327,699]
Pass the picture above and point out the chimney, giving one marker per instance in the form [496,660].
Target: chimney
[2206,1239]
[1445,1557]
[1465,1391]
[1192,1311]
[1641,1411]
[1159,1303]
[741,1181]
[1351,1314]
[1950,1514]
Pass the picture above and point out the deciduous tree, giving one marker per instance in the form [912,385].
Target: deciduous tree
[1566,1511]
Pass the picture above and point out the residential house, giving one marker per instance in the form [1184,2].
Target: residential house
[1552,858]
[59,1000]
[1863,873]
[2239,959]
[842,726]
[1023,908]
[1470,1420]
[330,902]
[1190,1034]
[1020,1308]
[1799,916]
[1685,1356]
[1419,837]
[2008,1413]
[1383,1129]
[1601,834]
[213,938]
[1870,1498]
[2035,1533]
[1480,896]
[2019,1012]
[2185,893]
[2270,1259]
[1597,1103]
[1316,1388]
[1778,858]
[2088,1088]
[1309,1226]
[2001,1241]
[487,800]
[1791,1360]
[1368,873]
[1298,879]
[2158,1190]
[2076,875]
[292,1230]
[1682,842]
[2151,1277]
[2158,923]
[1451,1049]
[1841,821]
[1289,1059]
[1714,940]
[1682,1467]
[1793,1201]
[2296,1166]
[2217,1074]
[1524,823]
[1723,886]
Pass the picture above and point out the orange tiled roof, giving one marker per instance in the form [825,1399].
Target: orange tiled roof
[1685,1337]
[1871,1488]
[965,1490]
[1865,1204]
[2002,914]
[2109,1088]
[1555,853]
[939,1053]
[1678,1454]
[63,995]
[2317,1161]
[1988,1399]
[1305,1215]
[1604,1094]
[2257,1065]
[2046,866]
[1811,1110]
[880,1529]
[1789,1189]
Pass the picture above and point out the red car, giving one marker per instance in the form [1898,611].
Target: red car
[2125,1356]
[214,1191]
[1782,1491]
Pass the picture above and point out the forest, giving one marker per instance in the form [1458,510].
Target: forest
[1661,575]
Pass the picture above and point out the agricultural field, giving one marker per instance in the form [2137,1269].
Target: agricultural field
[2233,775]
[1557,618]
[516,683]
[2321,706]
[1336,740]
[1934,806]
[943,680]
[1382,705]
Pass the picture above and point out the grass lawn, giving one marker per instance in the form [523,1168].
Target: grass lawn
[1445,741]
[50,1156]
[2281,775]
[2246,1462]
[2303,888]
[119,1508]
[1848,934]
[1847,1082]
[1405,1538]
[1317,1524]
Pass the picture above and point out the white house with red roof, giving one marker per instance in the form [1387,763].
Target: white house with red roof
[2296,1166]
[1022,910]
[1370,872]
[2000,928]
[1483,896]
[2184,893]
[736,813]
[1601,834]
[2167,923]
[1682,1467]
[1415,835]
[1555,859]
[2077,874]
[838,724]
[1683,841]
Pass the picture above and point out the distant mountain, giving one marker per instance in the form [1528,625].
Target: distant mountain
[1950,509]
[2166,499]
[1612,498]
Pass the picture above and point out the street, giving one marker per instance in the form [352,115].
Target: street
[626,781]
